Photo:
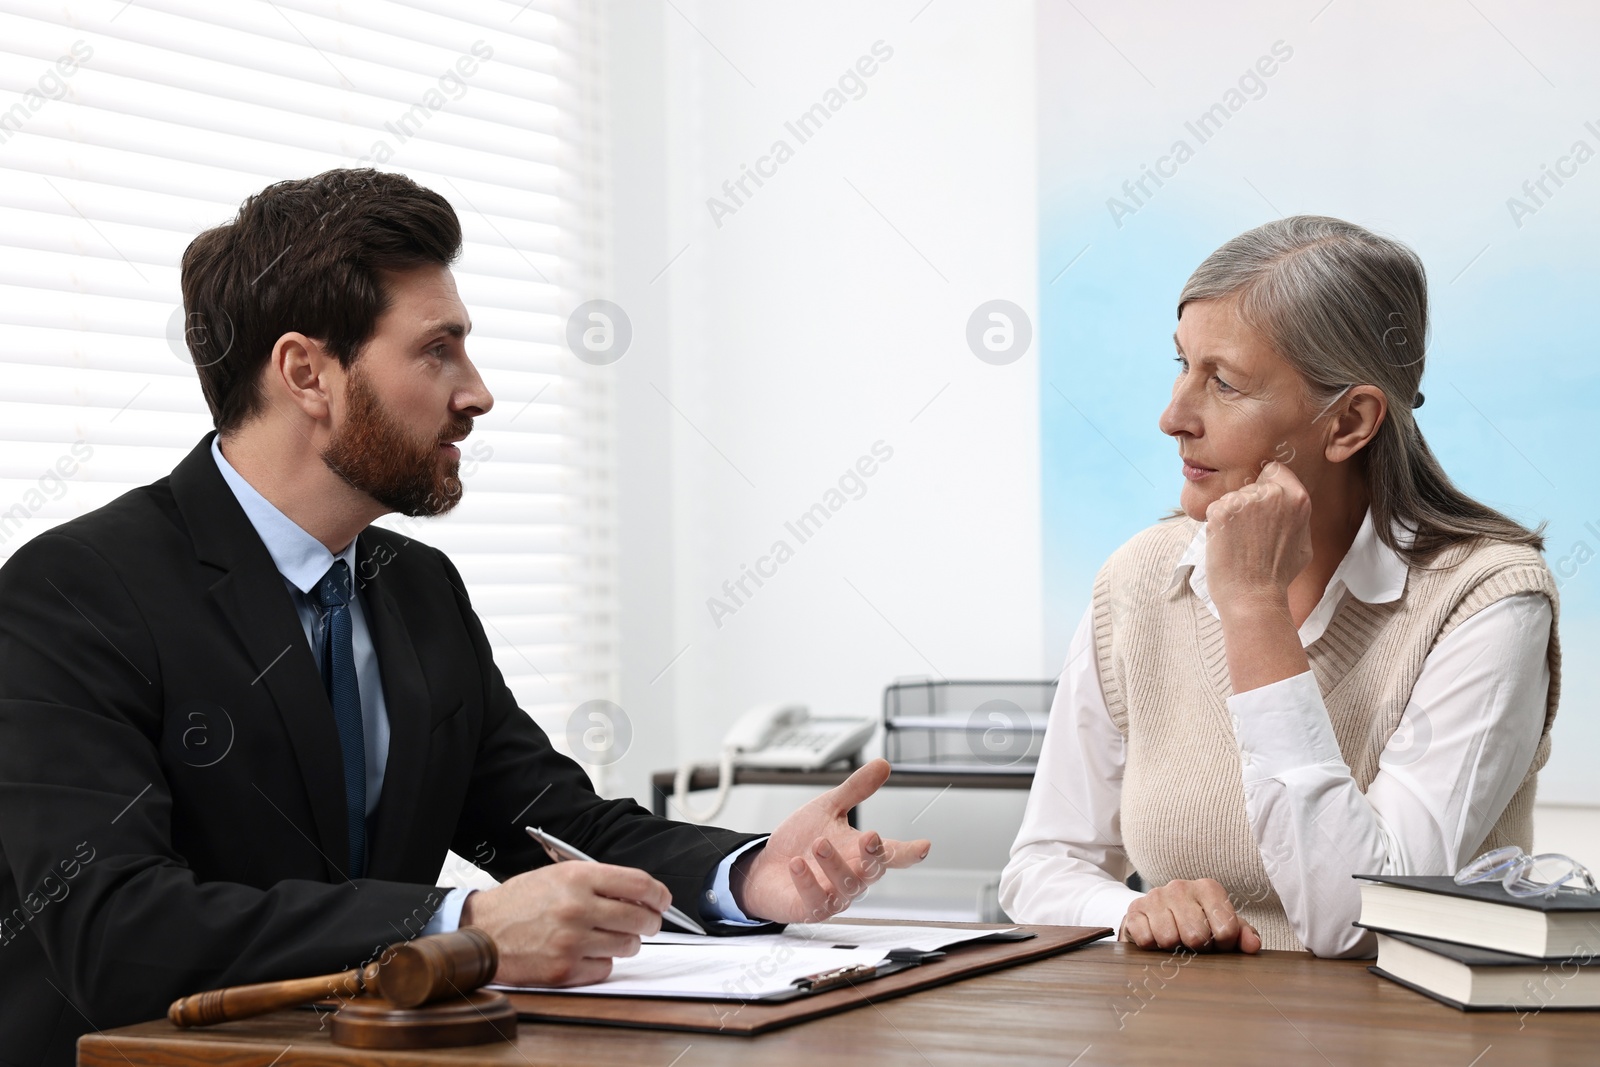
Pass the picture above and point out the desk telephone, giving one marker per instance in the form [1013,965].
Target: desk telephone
[777,736]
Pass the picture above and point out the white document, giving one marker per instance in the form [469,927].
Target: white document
[714,969]
[688,966]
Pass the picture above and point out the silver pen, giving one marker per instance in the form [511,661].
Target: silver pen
[559,850]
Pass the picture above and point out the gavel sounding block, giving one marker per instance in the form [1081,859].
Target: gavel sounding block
[427,996]
[476,1018]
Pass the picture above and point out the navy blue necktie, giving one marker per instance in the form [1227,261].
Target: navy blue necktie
[339,679]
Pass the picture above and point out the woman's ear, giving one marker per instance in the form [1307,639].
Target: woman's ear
[1355,422]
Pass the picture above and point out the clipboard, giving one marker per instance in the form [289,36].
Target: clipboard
[894,977]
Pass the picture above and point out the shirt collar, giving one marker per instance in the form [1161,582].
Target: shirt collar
[1371,570]
[300,558]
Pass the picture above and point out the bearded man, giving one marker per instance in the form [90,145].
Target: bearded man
[242,726]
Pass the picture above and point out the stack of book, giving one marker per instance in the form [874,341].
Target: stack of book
[1478,948]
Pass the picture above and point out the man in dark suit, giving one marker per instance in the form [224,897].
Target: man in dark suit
[240,726]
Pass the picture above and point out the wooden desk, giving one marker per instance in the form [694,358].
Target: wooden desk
[1080,1009]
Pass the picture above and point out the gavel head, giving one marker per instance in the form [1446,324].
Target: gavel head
[440,965]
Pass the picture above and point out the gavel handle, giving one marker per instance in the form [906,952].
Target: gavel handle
[245,1001]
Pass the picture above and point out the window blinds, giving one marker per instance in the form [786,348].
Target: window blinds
[127,128]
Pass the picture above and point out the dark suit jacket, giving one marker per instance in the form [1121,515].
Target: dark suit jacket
[171,792]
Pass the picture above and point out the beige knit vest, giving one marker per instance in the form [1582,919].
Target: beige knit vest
[1164,671]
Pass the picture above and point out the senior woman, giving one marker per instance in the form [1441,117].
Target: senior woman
[1329,662]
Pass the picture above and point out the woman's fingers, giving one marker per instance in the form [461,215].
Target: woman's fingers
[1223,921]
[1194,914]
[1163,925]
[1136,928]
[1193,924]
[1225,924]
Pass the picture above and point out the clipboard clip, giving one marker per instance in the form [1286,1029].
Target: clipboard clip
[816,983]
[898,959]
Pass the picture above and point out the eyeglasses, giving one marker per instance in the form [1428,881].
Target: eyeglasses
[1514,868]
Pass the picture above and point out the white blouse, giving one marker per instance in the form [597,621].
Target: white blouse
[1440,787]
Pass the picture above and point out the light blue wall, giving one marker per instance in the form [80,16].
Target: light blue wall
[1421,124]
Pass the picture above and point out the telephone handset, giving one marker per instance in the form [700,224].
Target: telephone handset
[756,728]
[777,736]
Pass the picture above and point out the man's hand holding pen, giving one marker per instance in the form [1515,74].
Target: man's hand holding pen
[562,925]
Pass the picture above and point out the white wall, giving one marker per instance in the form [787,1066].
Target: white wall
[1570,828]
[795,335]
[821,317]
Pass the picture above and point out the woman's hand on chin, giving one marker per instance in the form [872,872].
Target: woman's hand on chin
[1258,540]
[1195,914]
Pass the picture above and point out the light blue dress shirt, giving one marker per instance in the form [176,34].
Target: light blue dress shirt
[303,561]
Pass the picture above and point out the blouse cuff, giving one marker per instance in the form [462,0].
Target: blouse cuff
[1282,727]
[1108,906]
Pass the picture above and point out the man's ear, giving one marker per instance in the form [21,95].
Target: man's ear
[1355,422]
[302,371]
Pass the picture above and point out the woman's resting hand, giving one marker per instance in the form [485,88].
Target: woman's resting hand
[1196,914]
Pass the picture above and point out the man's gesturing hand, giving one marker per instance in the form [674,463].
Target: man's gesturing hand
[1196,914]
[561,925]
[815,863]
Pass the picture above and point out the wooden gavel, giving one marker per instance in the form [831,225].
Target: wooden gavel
[410,975]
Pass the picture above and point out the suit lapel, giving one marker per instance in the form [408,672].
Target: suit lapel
[256,602]
[252,597]
[406,699]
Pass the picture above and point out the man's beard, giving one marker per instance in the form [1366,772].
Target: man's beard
[377,455]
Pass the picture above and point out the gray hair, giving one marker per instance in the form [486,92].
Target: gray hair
[1345,306]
